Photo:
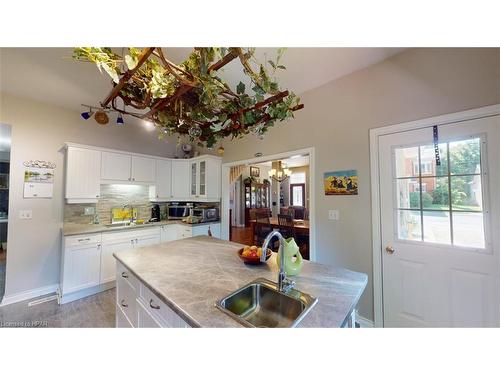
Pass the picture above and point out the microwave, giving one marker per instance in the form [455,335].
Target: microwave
[178,211]
[206,214]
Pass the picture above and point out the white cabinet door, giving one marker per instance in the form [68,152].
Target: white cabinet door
[180,179]
[144,318]
[115,166]
[143,169]
[168,233]
[108,261]
[202,230]
[83,175]
[163,179]
[81,267]
[213,179]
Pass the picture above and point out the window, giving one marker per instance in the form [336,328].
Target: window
[298,178]
[441,204]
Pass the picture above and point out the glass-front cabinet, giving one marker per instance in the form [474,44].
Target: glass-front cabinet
[198,179]
[257,195]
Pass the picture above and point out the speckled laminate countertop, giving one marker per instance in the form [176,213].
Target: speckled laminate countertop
[190,275]
[76,229]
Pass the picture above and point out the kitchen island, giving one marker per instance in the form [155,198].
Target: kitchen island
[177,284]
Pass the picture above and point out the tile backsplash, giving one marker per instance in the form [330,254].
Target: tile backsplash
[136,196]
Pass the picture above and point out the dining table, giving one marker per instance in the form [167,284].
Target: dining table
[301,226]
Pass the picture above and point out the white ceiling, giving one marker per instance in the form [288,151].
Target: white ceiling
[50,75]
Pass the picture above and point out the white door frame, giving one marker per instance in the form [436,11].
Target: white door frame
[283,155]
[375,133]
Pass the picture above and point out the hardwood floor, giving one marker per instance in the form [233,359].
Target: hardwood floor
[91,312]
[242,235]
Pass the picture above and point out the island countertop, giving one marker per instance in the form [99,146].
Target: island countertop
[190,275]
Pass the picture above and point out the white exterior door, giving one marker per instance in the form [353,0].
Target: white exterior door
[439,226]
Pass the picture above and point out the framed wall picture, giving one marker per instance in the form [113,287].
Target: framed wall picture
[255,172]
[341,182]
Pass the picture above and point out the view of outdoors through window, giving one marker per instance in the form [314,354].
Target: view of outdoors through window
[441,204]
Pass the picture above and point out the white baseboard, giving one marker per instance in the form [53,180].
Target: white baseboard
[363,322]
[29,294]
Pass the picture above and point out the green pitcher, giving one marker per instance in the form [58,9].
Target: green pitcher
[292,267]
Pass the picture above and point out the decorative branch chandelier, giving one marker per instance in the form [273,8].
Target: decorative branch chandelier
[280,174]
[191,98]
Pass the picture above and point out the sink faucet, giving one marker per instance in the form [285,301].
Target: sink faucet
[131,221]
[284,284]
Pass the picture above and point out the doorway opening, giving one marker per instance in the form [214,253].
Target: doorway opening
[5,142]
[258,197]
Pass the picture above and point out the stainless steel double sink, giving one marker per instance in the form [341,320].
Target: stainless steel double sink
[261,304]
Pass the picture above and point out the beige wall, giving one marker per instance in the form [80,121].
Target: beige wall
[415,84]
[39,132]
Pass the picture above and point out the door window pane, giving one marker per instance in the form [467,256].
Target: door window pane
[441,204]
[465,156]
[437,227]
[428,160]
[408,190]
[407,162]
[435,193]
[466,193]
[468,229]
[409,225]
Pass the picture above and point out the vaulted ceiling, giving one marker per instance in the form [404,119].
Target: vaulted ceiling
[50,75]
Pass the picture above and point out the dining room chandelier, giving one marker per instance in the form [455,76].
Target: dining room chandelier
[280,174]
[192,98]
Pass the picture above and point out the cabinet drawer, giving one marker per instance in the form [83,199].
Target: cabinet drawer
[126,297]
[82,240]
[160,310]
[124,275]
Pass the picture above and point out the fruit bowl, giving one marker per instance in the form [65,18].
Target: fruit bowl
[253,259]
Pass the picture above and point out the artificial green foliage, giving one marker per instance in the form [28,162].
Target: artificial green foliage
[210,110]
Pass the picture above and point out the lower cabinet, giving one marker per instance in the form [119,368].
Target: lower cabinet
[138,306]
[88,265]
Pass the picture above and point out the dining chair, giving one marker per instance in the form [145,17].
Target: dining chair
[286,226]
[262,226]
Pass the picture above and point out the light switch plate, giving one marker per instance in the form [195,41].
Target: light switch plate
[333,215]
[89,210]
[25,214]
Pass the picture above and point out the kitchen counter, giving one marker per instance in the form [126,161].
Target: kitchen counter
[76,229]
[190,275]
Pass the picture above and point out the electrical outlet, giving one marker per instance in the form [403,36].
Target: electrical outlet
[25,214]
[333,215]
[89,211]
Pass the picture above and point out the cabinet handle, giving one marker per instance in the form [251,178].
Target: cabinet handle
[97,196]
[124,275]
[122,302]
[83,239]
[153,306]
[136,240]
[132,241]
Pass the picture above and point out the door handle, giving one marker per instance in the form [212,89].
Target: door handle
[389,249]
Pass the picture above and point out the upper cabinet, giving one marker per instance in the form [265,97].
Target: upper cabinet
[180,179]
[83,175]
[128,168]
[205,178]
[197,179]
[163,187]
[143,169]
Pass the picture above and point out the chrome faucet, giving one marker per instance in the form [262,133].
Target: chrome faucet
[284,284]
